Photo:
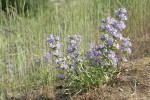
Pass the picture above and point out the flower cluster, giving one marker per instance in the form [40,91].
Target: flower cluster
[72,58]
[112,41]
[95,54]
[47,57]
[54,46]
[103,59]
[56,54]
[72,51]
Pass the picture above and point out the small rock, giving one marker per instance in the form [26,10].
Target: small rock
[120,89]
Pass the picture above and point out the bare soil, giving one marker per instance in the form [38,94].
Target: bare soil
[132,84]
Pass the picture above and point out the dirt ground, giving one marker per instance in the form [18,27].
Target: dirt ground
[132,84]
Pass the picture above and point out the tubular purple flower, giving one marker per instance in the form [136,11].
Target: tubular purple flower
[117,12]
[111,55]
[102,27]
[126,44]
[121,25]
[123,10]
[96,53]
[105,50]
[114,23]
[72,51]
[121,13]
[75,47]
[126,39]
[128,50]
[51,38]
[106,36]
[51,46]
[115,61]
[74,55]
[58,45]
[113,32]
[95,58]
[65,66]
[119,36]
[88,55]
[100,46]
[108,27]
[109,41]
[57,53]
[46,57]
[100,36]
[73,42]
[123,17]
[108,20]
[59,61]
[69,49]
[61,76]
[125,59]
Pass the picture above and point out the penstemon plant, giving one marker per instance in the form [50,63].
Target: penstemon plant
[101,62]
[110,53]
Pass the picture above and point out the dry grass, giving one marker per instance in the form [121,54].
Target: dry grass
[22,41]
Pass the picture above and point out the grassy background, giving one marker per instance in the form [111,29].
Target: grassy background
[23,44]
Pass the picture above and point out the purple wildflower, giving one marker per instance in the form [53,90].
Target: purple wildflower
[88,55]
[117,12]
[61,76]
[64,66]
[109,41]
[100,46]
[125,59]
[74,55]
[100,36]
[121,25]
[108,27]
[119,35]
[69,49]
[106,36]
[51,46]
[102,27]
[59,61]
[113,32]
[57,53]
[121,14]
[123,17]
[46,57]
[112,56]
[51,38]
